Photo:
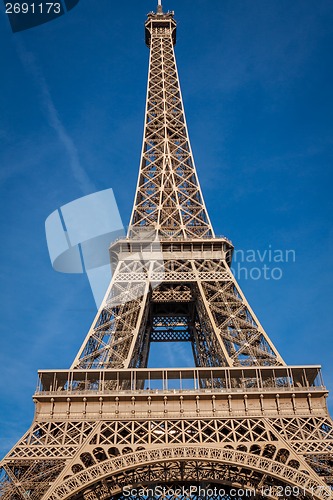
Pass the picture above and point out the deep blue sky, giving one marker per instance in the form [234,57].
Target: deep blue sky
[257,81]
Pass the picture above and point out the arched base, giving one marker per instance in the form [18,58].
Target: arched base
[190,465]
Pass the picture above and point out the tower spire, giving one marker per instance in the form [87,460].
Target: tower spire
[168,198]
[159,7]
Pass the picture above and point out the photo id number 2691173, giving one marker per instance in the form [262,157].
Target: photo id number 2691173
[33,8]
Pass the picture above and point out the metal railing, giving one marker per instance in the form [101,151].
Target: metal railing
[175,380]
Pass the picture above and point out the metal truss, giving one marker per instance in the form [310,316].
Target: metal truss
[168,197]
[240,419]
[198,300]
[96,432]
[150,271]
[106,456]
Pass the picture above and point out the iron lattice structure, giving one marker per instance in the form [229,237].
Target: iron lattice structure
[240,421]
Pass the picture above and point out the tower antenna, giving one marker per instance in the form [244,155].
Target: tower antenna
[159,7]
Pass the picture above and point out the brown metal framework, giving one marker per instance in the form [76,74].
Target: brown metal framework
[240,419]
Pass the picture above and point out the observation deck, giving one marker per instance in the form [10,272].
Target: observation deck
[160,24]
[180,392]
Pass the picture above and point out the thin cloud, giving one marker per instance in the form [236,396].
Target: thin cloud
[78,172]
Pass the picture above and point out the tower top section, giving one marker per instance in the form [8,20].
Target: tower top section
[168,201]
[160,24]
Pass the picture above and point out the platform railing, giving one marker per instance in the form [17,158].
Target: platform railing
[172,380]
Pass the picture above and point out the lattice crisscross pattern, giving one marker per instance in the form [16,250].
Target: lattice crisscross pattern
[168,197]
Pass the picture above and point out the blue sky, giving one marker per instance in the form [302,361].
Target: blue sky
[256,78]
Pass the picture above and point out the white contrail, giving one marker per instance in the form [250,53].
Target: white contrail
[78,172]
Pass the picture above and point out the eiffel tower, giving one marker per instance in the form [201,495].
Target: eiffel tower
[239,423]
